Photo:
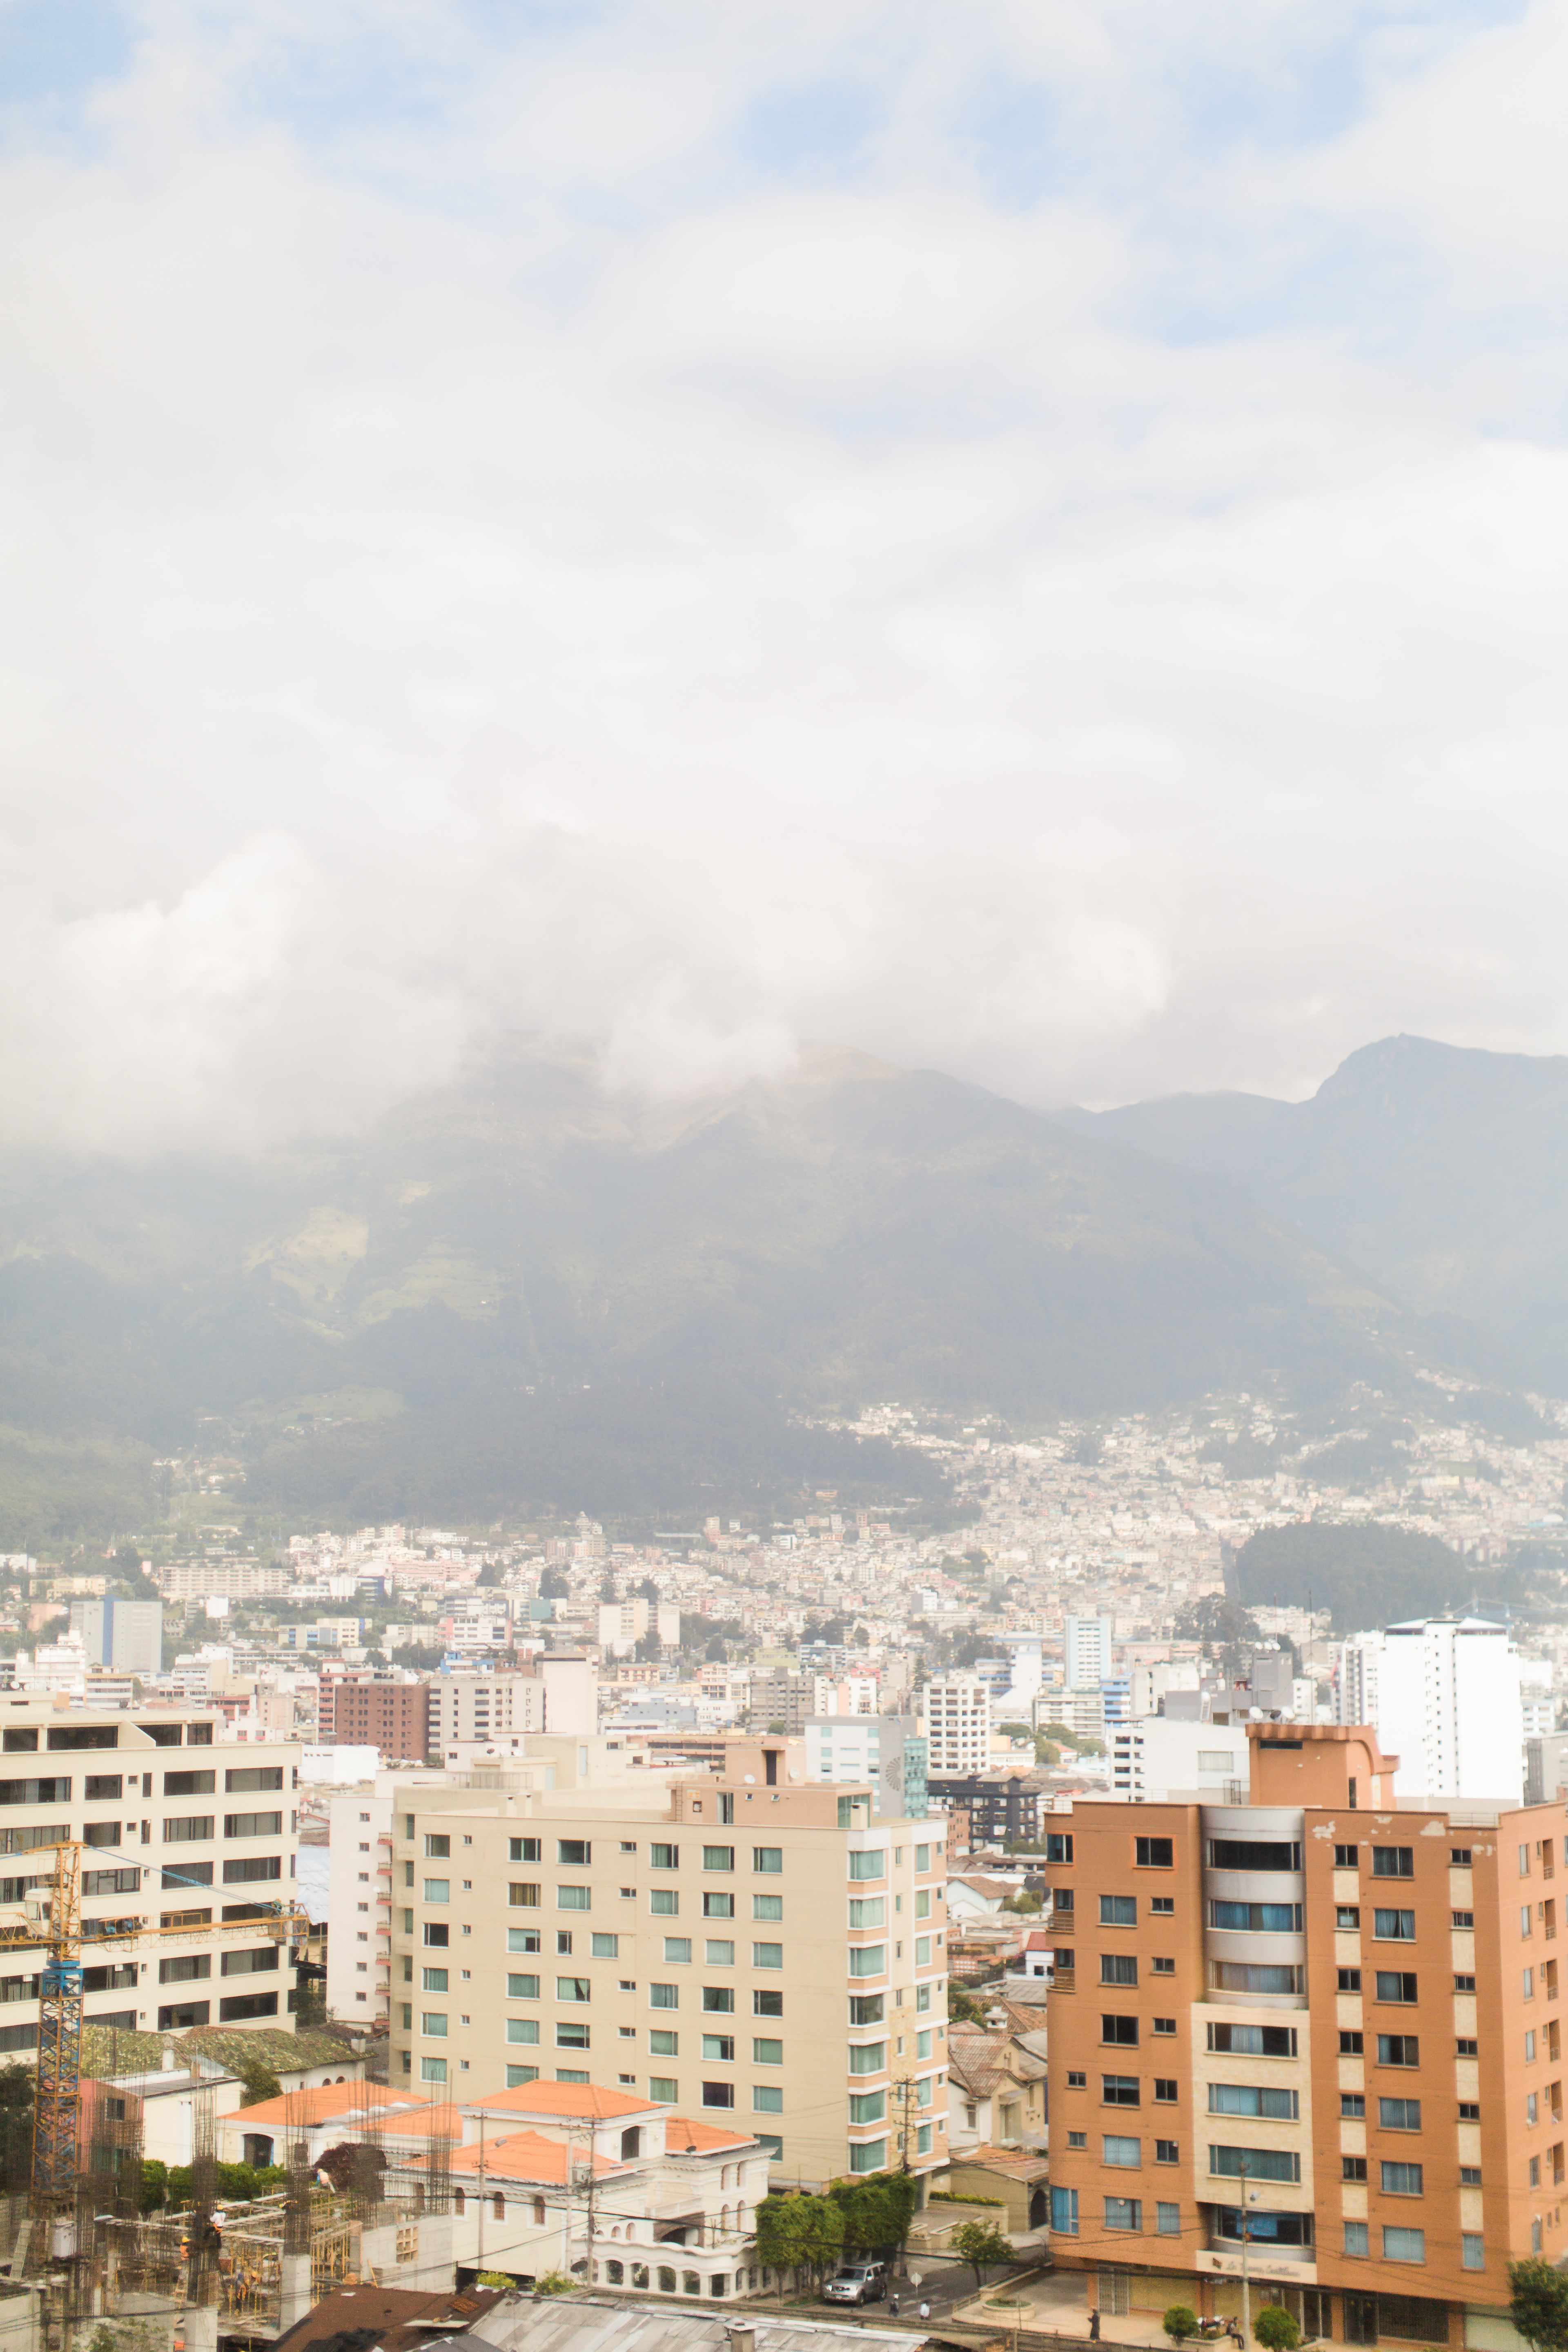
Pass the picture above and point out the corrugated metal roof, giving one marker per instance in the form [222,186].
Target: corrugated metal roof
[581,2324]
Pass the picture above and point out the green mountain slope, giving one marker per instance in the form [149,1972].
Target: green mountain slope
[1442,1170]
[521,1288]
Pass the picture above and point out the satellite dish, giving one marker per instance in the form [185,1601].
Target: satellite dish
[749,1778]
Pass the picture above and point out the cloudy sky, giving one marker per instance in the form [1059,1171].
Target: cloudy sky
[1028,536]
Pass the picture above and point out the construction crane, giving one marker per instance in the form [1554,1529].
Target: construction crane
[54,1923]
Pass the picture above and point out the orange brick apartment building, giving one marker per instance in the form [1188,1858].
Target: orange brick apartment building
[1352,2006]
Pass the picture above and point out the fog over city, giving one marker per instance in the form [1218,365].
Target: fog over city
[1023,539]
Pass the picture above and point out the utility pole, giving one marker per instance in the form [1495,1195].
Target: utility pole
[480,2257]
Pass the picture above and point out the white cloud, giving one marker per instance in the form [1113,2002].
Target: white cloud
[500,534]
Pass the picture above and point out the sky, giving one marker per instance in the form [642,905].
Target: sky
[1028,538]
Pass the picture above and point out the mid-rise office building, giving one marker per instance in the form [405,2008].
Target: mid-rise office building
[888,1750]
[1087,1650]
[558,1696]
[369,1710]
[125,1635]
[193,1839]
[958,1724]
[1326,2019]
[1444,1696]
[754,1954]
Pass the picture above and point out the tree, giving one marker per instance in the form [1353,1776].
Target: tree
[152,2190]
[1023,1902]
[1538,2304]
[820,2225]
[982,2245]
[554,1586]
[778,2238]
[1180,2323]
[260,2082]
[353,2165]
[16,2127]
[1274,2329]
[961,2008]
[878,2210]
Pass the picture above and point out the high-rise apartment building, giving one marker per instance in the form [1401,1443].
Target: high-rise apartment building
[1087,1650]
[124,1635]
[194,1838]
[624,1623]
[888,1750]
[1325,2018]
[369,1710]
[958,1724]
[1444,1696]
[754,1954]
[558,1696]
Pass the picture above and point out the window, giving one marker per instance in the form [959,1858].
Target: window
[1398,2050]
[1257,1918]
[723,2094]
[1347,1979]
[721,2046]
[432,2070]
[519,1987]
[1168,2220]
[719,2000]
[1469,2111]
[719,1952]
[869,1865]
[1127,2212]
[1064,2212]
[1118,1967]
[767,1907]
[1120,2090]
[1464,1984]
[1472,2250]
[1155,1852]
[1347,1914]
[868,1959]
[867,2057]
[1124,2030]
[433,2022]
[1530,2048]
[573,1898]
[868,2155]
[1163,1968]
[435,1980]
[767,2099]
[1119,1911]
[1462,1918]
[766,2003]
[1404,2245]
[438,1934]
[1399,2115]
[604,1947]
[1164,2024]
[1058,1848]
[572,1988]
[664,1902]
[436,1848]
[1114,2149]
[1393,1862]
[188,1829]
[678,1950]
[1166,2152]
[1459,1857]
[1076,2082]
[525,1849]
[1254,1853]
[1078,2139]
[252,1867]
[570,2034]
[1401,2179]
[1395,1985]
[868,1911]
[867,2107]
[767,1956]
[1253,2041]
[721,1905]
[1165,2091]
[437,1890]
[663,1996]
[1254,2099]
[1395,1927]
[522,2029]
[1469,2175]
[1257,2163]
[766,2053]
[1467,2046]
[718,1857]
[175,1784]
[523,1896]
[574,1853]
[1344,1857]
[1352,2168]
[1356,2238]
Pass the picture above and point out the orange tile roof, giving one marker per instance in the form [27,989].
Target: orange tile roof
[525,2155]
[328,2099]
[584,2101]
[680,2134]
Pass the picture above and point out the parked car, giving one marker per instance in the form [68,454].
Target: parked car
[858,2283]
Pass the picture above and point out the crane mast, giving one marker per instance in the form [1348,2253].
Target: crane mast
[58,2107]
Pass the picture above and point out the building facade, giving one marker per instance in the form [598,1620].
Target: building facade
[198,1847]
[367,1710]
[125,1635]
[760,1957]
[889,1750]
[1324,2017]
[958,1724]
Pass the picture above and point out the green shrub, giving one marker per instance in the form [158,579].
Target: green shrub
[1276,2330]
[1180,2323]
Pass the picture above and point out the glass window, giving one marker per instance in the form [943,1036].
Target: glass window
[869,1865]
[573,1898]
[1356,2238]
[766,2051]
[432,2070]
[1125,2212]
[718,1857]
[718,1904]
[767,1956]
[1395,1927]
[769,1859]
[604,1947]
[1118,1910]
[665,1857]
[664,1902]
[663,1996]
[1472,2249]
[868,1959]
[719,1952]
[1404,2246]
[522,2029]
[767,1907]
[1115,2149]
[678,1950]
[433,2022]
[767,2098]
[1168,2220]
[1401,2179]
[867,2057]
[1398,2114]
[867,2107]
[663,2042]
[1118,1967]
[1064,2212]
[719,1999]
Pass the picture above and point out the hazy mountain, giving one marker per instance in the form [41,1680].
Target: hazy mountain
[521,1290]
[1440,1170]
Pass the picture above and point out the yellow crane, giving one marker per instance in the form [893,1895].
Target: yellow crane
[53,1922]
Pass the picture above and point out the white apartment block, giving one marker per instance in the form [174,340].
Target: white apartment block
[359,1893]
[1444,1694]
[194,1840]
[1156,1759]
[958,1724]
[759,1958]
[624,1623]
[560,1698]
[1087,1650]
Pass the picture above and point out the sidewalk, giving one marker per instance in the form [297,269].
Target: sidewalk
[1059,2301]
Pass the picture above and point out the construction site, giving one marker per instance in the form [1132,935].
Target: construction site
[83,2263]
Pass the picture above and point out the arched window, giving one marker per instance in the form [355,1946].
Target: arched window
[639,2274]
[615,2272]
[631,2141]
[690,2284]
[665,2280]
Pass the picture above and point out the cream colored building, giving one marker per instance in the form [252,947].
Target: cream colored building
[193,1840]
[766,1958]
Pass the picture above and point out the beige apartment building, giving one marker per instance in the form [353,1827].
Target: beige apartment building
[766,1958]
[193,1839]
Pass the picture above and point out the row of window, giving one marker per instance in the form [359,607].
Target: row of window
[22,1739]
[196,1828]
[109,1788]
[1118,1910]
